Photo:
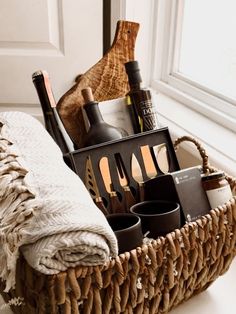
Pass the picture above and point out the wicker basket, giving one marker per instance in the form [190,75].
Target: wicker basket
[151,279]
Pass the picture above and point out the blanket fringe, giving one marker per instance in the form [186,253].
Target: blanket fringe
[15,208]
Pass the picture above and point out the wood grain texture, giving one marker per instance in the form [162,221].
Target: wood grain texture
[107,78]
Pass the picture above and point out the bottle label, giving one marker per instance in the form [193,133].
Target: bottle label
[149,115]
[219,196]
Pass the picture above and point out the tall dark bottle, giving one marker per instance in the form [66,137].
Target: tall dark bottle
[99,131]
[144,111]
[53,123]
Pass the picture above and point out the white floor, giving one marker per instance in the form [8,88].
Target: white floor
[220,298]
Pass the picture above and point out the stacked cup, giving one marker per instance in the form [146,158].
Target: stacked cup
[148,218]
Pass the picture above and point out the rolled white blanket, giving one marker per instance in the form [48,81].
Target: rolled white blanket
[45,210]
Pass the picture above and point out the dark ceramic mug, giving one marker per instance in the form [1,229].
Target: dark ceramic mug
[128,230]
[157,217]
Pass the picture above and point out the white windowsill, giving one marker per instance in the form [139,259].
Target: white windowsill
[219,142]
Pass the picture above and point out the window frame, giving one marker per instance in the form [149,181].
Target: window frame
[165,77]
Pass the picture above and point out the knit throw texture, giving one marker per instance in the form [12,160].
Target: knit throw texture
[45,210]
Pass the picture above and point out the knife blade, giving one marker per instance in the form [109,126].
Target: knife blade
[124,182]
[148,161]
[137,174]
[92,187]
[161,155]
[115,204]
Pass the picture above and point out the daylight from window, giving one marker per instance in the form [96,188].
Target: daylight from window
[208,44]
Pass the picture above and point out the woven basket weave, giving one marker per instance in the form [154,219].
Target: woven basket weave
[151,279]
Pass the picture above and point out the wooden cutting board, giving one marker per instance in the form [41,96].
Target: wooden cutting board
[107,78]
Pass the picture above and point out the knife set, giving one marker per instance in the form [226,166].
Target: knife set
[114,172]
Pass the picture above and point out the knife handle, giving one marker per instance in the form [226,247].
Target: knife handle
[129,198]
[141,191]
[100,205]
[116,205]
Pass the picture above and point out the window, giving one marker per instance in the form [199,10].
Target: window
[196,55]
[208,46]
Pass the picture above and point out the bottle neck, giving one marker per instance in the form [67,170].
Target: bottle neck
[135,86]
[52,119]
[93,113]
[44,99]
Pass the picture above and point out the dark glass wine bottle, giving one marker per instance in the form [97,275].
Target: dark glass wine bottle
[144,115]
[53,123]
[99,131]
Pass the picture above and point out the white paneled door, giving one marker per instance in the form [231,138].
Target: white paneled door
[63,37]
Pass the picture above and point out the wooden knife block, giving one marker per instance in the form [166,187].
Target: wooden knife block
[107,78]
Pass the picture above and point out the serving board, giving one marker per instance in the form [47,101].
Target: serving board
[107,78]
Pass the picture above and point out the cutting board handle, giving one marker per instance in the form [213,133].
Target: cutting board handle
[107,79]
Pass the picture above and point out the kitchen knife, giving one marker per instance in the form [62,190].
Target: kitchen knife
[161,155]
[148,162]
[115,204]
[123,179]
[92,187]
[137,174]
